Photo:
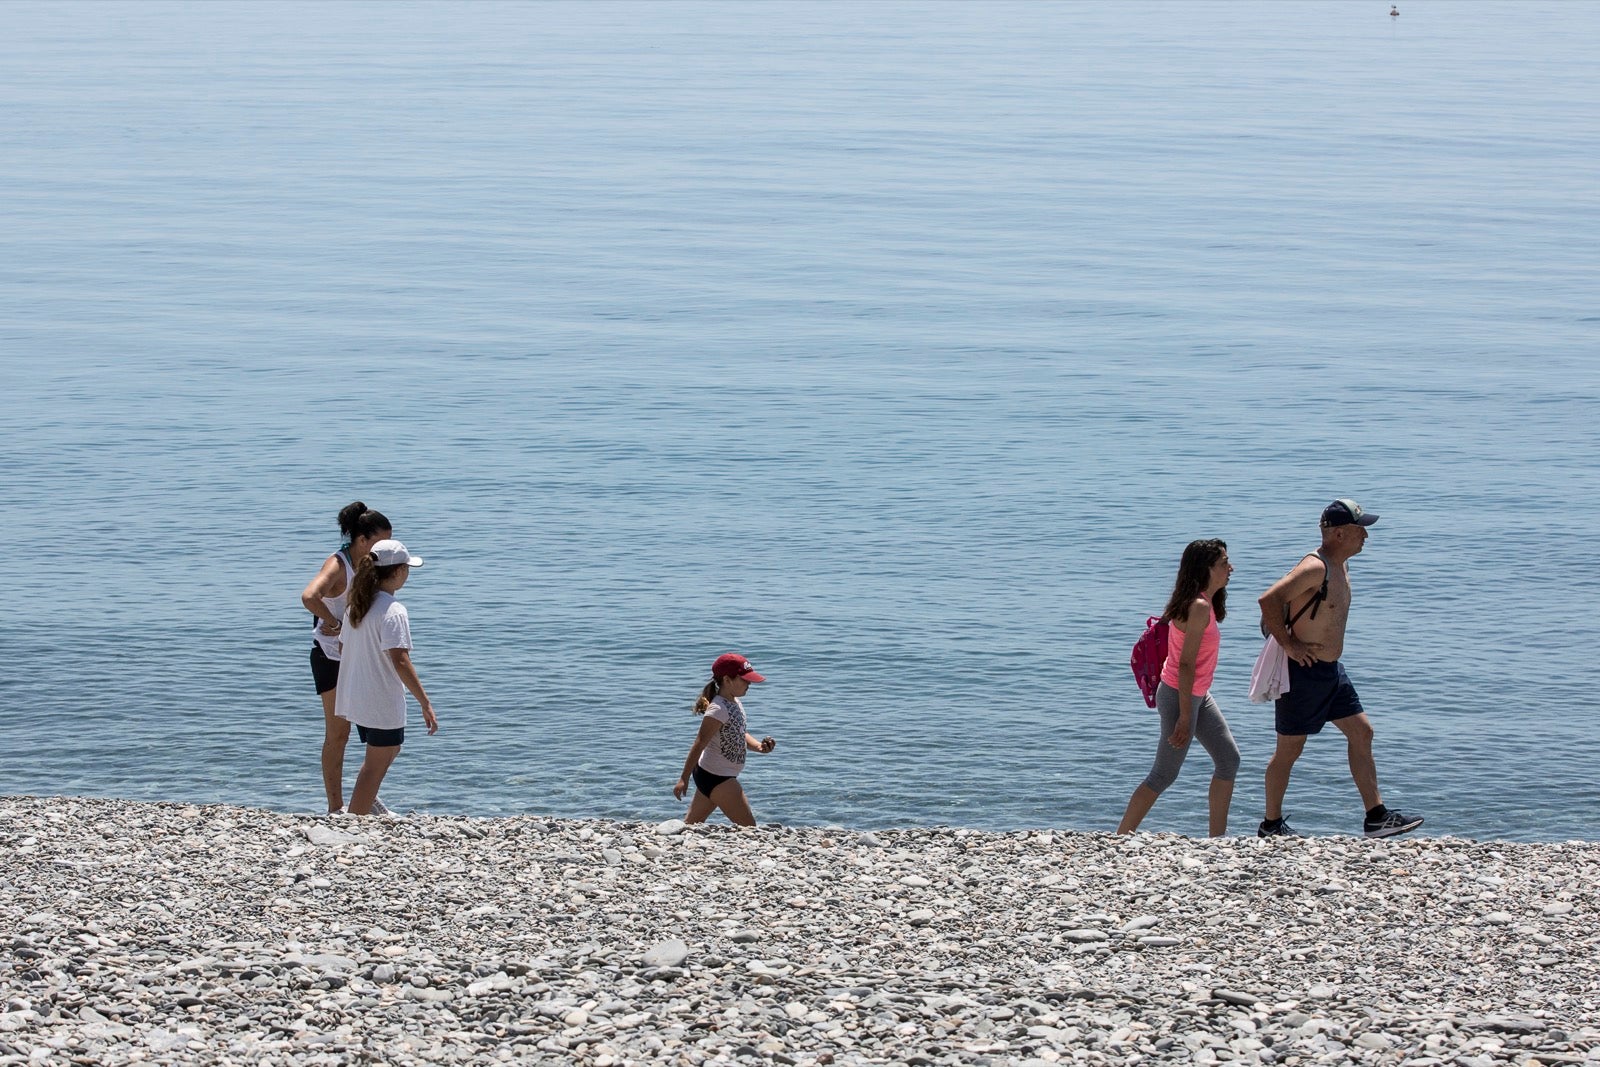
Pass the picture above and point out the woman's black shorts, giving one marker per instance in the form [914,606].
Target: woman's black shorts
[324,671]
[705,781]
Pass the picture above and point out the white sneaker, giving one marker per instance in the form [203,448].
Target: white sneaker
[380,808]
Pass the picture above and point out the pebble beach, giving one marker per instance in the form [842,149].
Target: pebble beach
[167,933]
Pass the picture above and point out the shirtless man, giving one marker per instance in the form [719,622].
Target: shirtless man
[1311,631]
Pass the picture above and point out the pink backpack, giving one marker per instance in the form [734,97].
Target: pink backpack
[1149,656]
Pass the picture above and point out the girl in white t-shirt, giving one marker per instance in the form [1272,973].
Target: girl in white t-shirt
[375,666]
[325,598]
[717,755]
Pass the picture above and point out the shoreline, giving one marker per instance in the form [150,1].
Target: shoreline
[138,931]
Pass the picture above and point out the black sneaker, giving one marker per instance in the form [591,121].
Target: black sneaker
[1275,828]
[1391,822]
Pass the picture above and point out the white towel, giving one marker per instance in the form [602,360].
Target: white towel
[1270,678]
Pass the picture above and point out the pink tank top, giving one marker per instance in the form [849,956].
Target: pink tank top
[1205,664]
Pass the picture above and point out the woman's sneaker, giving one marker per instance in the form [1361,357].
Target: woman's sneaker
[1275,828]
[1391,822]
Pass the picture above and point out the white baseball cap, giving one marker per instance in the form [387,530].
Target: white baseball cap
[392,552]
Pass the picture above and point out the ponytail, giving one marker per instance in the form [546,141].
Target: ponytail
[703,701]
[364,587]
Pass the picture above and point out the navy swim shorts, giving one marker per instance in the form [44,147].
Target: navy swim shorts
[371,735]
[1318,694]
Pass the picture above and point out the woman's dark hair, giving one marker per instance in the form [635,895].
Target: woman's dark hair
[703,701]
[1194,572]
[348,516]
[364,586]
[370,523]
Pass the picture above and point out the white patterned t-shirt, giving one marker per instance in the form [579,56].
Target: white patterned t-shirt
[725,754]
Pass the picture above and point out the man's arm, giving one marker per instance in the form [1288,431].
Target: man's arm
[1305,579]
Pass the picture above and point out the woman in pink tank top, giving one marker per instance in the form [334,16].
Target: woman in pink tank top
[1199,601]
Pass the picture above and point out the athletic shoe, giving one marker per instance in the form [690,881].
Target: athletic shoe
[1275,828]
[380,808]
[1391,823]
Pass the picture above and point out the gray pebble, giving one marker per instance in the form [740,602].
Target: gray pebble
[668,953]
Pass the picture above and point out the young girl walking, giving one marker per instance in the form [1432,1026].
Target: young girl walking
[717,755]
[1199,601]
[376,669]
[325,598]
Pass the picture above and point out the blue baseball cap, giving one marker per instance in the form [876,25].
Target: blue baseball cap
[1346,513]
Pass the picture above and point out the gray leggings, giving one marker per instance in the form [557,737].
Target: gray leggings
[1210,729]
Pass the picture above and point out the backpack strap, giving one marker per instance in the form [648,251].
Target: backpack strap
[1318,597]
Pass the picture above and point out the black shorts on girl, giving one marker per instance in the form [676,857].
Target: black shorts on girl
[324,671]
[705,781]
[371,735]
[1318,694]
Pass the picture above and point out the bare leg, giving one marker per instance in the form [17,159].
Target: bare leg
[700,807]
[335,734]
[1358,733]
[1139,805]
[729,796]
[370,777]
[1289,748]
[1221,796]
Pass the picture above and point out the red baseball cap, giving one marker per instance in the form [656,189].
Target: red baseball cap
[734,665]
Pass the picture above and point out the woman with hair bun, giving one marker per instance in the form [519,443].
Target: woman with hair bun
[325,598]
[1199,601]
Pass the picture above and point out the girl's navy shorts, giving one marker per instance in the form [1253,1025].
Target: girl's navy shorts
[371,735]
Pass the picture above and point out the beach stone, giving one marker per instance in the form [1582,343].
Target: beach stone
[1499,918]
[326,835]
[1160,942]
[668,953]
[321,961]
[671,827]
[1085,936]
[1234,996]
[1516,1024]
[1560,907]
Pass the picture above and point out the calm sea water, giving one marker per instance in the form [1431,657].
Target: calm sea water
[899,346]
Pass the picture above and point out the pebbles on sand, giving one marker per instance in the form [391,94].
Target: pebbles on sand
[180,934]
